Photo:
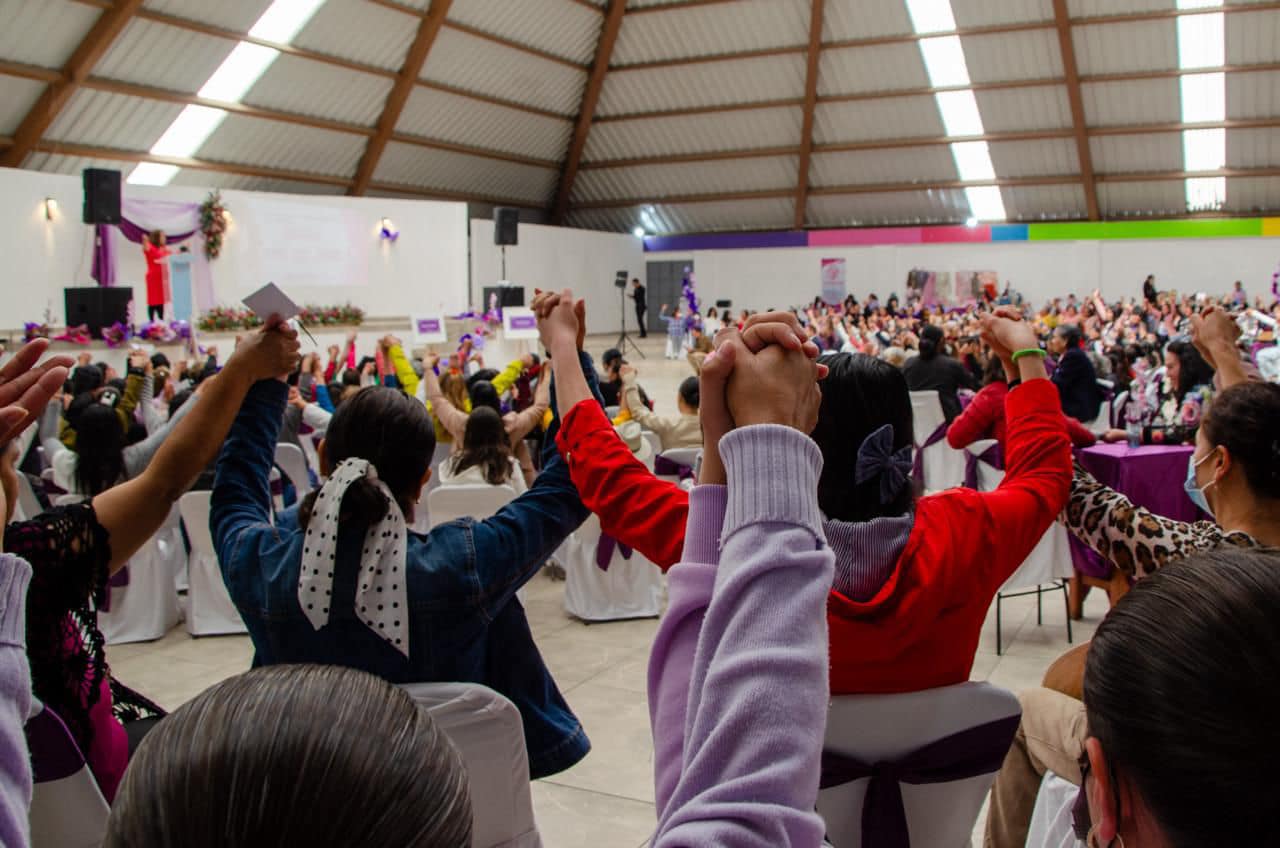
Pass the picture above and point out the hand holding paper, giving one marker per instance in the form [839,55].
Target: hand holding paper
[270,300]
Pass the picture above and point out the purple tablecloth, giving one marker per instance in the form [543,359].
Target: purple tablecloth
[1151,476]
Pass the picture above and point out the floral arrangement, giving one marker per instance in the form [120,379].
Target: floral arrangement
[690,298]
[224,318]
[34,330]
[213,224]
[76,335]
[117,334]
[162,333]
[328,316]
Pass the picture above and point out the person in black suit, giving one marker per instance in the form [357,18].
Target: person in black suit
[638,295]
[1075,377]
[1149,293]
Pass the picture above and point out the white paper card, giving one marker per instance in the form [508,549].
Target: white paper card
[428,329]
[519,322]
[270,300]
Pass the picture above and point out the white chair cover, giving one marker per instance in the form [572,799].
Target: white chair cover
[1117,409]
[485,727]
[612,411]
[210,611]
[67,807]
[478,501]
[28,503]
[655,442]
[147,607]
[943,465]
[1051,817]
[631,588]
[294,464]
[878,728]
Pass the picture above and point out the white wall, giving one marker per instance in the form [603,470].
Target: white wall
[558,257]
[424,270]
[760,278]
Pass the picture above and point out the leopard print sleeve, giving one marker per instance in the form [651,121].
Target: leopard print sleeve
[1134,539]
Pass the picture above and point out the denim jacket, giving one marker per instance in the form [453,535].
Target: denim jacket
[465,623]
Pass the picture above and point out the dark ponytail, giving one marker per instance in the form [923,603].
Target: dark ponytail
[395,434]
[1245,419]
[930,342]
[1180,689]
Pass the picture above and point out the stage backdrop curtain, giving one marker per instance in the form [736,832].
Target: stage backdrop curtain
[179,222]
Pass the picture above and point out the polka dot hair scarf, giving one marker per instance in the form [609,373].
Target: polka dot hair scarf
[381,600]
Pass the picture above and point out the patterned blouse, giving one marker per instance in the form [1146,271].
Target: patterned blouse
[1135,539]
[70,554]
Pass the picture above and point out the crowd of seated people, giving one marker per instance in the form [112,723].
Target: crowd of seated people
[804,564]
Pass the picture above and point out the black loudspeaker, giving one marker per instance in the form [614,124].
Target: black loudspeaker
[101,196]
[506,225]
[723,304]
[97,307]
[507,295]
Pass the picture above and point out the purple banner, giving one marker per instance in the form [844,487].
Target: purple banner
[524,322]
[428,325]
[727,241]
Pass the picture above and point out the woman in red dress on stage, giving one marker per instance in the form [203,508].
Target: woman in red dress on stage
[153,248]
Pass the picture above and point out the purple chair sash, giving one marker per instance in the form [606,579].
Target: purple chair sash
[118,580]
[969,753]
[917,467]
[993,456]
[605,548]
[54,753]
[664,467]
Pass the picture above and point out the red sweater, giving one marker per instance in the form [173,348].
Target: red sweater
[983,418]
[921,629]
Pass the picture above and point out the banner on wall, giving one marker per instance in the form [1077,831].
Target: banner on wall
[974,286]
[834,285]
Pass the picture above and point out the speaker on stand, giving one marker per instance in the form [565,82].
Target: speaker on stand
[506,230]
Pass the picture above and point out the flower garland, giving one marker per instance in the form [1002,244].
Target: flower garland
[226,318]
[34,330]
[690,297]
[213,224]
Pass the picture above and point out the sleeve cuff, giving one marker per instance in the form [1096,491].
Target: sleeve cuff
[706,518]
[15,575]
[773,477]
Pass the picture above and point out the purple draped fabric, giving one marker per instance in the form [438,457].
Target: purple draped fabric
[968,753]
[993,456]
[605,548]
[54,753]
[104,251]
[917,467]
[664,467]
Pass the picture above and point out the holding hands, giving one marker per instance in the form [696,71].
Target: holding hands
[270,352]
[561,319]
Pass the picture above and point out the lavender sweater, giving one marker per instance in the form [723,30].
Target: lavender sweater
[15,703]
[738,686]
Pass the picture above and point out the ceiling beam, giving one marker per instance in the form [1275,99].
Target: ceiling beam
[428,29]
[810,101]
[590,97]
[116,155]
[487,36]
[881,188]
[46,109]
[1068,50]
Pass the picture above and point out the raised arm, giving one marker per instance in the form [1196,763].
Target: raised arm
[404,371]
[528,418]
[976,420]
[133,510]
[508,376]
[1214,335]
[450,417]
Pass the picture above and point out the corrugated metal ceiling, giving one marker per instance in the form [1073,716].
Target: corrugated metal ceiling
[1118,200]
[360,31]
[1149,101]
[1042,158]
[1253,37]
[565,29]
[448,117]
[1253,194]
[272,144]
[767,214]
[978,13]
[457,172]
[1127,154]
[1044,203]
[43,33]
[293,84]
[1033,54]
[653,182]
[17,96]
[471,63]
[112,120]
[862,167]
[879,67]
[1036,108]
[149,53]
[890,117]
[777,127]
[712,30]
[845,20]
[714,83]
[932,206]
[236,15]
[1126,47]
[1256,148]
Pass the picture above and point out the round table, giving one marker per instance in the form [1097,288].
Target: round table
[1150,476]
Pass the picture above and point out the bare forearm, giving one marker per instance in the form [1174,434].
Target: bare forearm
[571,383]
[1230,369]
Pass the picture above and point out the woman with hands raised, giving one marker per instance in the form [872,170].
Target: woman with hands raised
[73,550]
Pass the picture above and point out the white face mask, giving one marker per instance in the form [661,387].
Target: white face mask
[1196,493]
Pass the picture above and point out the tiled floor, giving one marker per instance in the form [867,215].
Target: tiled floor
[606,800]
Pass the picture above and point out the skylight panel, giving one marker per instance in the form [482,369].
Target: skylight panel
[1204,97]
[931,16]
[1204,150]
[944,60]
[188,132]
[1206,193]
[959,111]
[152,173]
[238,72]
[973,161]
[985,203]
[284,19]
[1201,43]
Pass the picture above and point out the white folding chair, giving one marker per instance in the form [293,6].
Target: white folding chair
[880,729]
[1046,569]
[28,503]
[631,588]
[210,611]
[943,465]
[1118,409]
[67,807]
[654,440]
[1051,817]
[146,607]
[294,464]
[478,501]
[486,729]
[612,411]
